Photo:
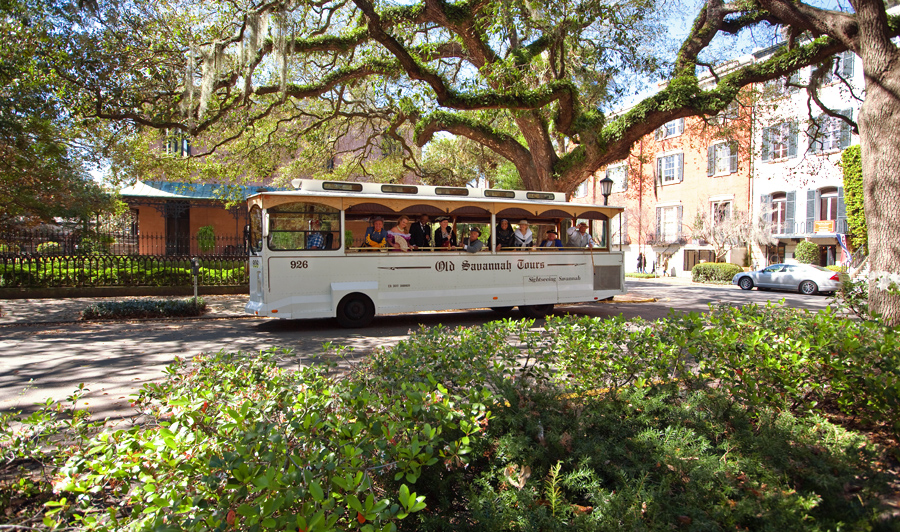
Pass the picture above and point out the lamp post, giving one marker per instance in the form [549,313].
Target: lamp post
[606,189]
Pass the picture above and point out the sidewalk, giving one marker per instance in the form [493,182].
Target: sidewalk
[37,311]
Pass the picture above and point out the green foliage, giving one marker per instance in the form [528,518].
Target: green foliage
[807,252]
[853,298]
[238,442]
[145,308]
[715,272]
[206,238]
[851,163]
[706,422]
[49,248]
[641,275]
[118,271]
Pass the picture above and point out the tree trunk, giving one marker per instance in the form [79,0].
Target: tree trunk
[879,124]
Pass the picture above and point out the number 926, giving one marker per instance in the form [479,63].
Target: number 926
[299,264]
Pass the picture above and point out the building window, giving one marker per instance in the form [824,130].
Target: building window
[619,175]
[668,223]
[722,159]
[779,213]
[721,211]
[729,115]
[828,204]
[178,144]
[783,86]
[670,129]
[780,141]
[582,190]
[829,133]
[670,168]
[841,68]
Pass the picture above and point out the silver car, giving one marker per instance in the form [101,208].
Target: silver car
[805,278]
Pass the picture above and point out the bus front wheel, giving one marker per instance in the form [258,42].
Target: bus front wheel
[536,311]
[355,310]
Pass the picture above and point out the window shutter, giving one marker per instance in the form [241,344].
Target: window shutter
[792,139]
[658,133]
[679,166]
[766,144]
[659,173]
[847,60]
[765,207]
[679,128]
[845,129]
[810,210]
[814,134]
[678,223]
[841,206]
[710,160]
[733,157]
[790,200]
[659,235]
[624,178]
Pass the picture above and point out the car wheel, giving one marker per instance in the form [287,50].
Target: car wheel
[745,283]
[355,310]
[536,311]
[502,310]
[808,288]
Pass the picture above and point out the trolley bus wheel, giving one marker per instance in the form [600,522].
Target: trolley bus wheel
[536,311]
[355,310]
[501,310]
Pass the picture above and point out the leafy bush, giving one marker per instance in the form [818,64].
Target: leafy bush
[145,308]
[49,248]
[807,252]
[702,422]
[714,272]
[642,275]
[94,270]
[206,238]
[238,442]
[837,268]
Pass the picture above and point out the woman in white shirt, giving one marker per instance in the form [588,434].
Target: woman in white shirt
[523,235]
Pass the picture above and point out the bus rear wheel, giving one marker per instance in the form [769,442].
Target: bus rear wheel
[355,310]
[536,311]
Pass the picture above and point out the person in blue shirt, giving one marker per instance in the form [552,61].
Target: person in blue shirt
[552,240]
[315,240]
[376,236]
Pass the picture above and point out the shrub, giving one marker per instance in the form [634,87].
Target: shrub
[145,308]
[807,252]
[714,272]
[49,248]
[206,238]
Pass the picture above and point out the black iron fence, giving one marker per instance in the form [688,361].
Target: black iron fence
[63,258]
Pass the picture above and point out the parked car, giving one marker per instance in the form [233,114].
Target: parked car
[805,278]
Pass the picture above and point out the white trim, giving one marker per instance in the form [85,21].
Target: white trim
[722,197]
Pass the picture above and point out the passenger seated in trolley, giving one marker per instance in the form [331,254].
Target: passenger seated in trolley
[506,237]
[399,236]
[552,240]
[444,237]
[316,239]
[472,244]
[376,236]
[579,237]
[421,233]
[523,236]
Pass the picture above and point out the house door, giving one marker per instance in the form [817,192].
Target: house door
[178,228]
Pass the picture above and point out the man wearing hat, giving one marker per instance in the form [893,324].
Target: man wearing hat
[551,240]
[376,236]
[579,237]
[473,245]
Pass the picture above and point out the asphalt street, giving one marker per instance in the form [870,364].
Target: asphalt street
[47,352]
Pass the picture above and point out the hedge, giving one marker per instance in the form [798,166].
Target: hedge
[715,272]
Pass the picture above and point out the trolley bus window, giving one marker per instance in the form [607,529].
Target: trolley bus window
[255,236]
[304,226]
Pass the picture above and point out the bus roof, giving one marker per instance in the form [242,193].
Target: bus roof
[414,198]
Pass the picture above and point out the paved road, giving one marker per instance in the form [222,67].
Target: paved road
[114,359]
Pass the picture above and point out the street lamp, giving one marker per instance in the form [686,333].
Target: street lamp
[606,189]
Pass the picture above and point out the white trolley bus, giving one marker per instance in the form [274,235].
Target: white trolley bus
[353,282]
